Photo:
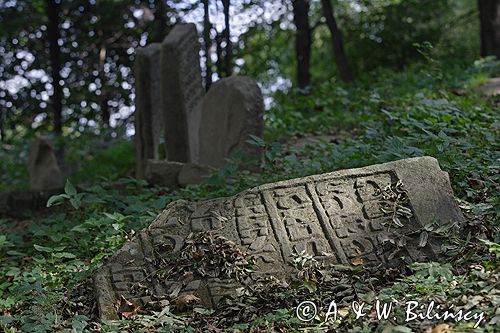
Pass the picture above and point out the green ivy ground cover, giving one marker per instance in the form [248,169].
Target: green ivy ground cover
[46,261]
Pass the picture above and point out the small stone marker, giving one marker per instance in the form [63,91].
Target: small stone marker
[182,93]
[148,114]
[233,109]
[491,87]
[44,172]
[342,217]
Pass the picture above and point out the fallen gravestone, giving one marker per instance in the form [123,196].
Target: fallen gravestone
[373,215]
[233,110]
[182,93]
[148,115]
[44,171]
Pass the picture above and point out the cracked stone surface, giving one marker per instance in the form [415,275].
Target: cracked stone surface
[337,217]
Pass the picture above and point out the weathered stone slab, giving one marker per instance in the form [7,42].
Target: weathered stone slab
[233,109]
[148,114]
[340,217]
[182,93]
[44,171]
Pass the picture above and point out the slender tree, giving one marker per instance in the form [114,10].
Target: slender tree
[160,23]
[220,54]
[207,27]
[106,115]
[53,35]
[2,135]
[337,41]
[227,38]
[489,17]
[302,41]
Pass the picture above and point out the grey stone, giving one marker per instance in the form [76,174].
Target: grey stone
[192,173]
[168,173]
[44,171]
[148,114]
[233,109]
[182,93]
[337,217]
[163,173]
[490,88]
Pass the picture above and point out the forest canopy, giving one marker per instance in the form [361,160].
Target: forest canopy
[92,45]
[335,104]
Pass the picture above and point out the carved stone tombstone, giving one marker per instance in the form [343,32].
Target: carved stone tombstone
[44,171]
[182,93]
[233,109]
[148,115]
[373,215]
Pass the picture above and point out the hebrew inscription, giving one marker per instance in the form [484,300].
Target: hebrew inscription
[341,217]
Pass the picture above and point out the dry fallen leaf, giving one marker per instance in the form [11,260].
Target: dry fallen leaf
[475,184]
[183,302]
[198,255]
[357,261]
[343,312]
[125,309]
[441,328]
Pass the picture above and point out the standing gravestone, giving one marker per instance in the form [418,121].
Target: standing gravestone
[371,216]
[233,109]
[182,93]
[148,114]
[44,171]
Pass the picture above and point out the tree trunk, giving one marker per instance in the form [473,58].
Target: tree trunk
[207,27]
[219,51]
[2,134]
[160,22]
[227,38]
[337,42]
[489,17]
[53,35]
[302,41]
[104,91]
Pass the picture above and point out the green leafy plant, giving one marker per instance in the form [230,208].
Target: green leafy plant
[74,198]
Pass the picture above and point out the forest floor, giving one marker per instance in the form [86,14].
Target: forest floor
[47,260]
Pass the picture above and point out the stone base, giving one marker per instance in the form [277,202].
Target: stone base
[173,174]
[23,203]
